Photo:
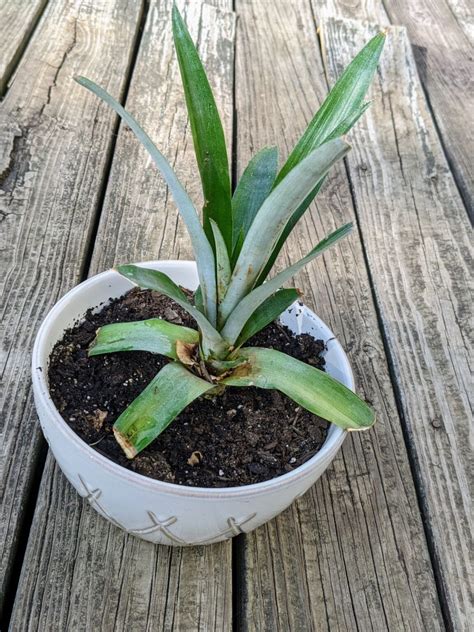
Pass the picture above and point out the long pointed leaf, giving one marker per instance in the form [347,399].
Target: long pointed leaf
[348,123]
[208,135]
[342,102]
[341,130]
[248,305]
[252,190]
[273,217]
[170,391]
[297,215]
[340,111]
[201,247]
[309,387]
[268,311]
[154,335]
[223,270]
[212,341]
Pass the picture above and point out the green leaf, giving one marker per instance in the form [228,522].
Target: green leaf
[237,248]
[223,366]
[340,111]
[223,270]
[198,299]
[271,219]
[203,252]
[154,335]
[346,125]
[342,105]
[250,303]
[208,135]
[212,341]
[252,190]
[309,387]
[170,391]
[287,230]
[340,130]
[266,313]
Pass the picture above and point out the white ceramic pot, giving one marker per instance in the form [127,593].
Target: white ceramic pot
[160,512]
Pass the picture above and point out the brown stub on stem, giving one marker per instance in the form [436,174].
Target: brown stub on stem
[186,352]
[124,443]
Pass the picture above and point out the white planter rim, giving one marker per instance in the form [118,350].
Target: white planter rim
[39,376]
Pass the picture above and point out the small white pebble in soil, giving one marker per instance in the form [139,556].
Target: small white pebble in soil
[221,472]
[240,406]
[292,460]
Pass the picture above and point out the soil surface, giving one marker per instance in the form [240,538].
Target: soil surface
[244,436]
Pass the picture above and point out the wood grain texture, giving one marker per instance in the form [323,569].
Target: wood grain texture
[463,10]
[418,244]
[81,573]
[53,152]
[100,577]
[17,21]
[351,554]
[445,59]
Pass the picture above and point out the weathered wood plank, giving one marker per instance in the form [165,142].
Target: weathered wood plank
[81,573]
[418,244]
[463,10]
[98,577]
[17,21]
[351,554]
[53,153]
[373,10]
[445,59]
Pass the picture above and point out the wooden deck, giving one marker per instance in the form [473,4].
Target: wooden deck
[384,540]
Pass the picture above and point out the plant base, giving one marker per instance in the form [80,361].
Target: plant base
[244,436]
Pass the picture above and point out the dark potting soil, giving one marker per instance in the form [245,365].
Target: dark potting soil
[244,436]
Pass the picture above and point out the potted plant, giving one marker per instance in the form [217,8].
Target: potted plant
[193,360]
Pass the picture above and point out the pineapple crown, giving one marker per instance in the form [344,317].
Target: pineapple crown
[235,248]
